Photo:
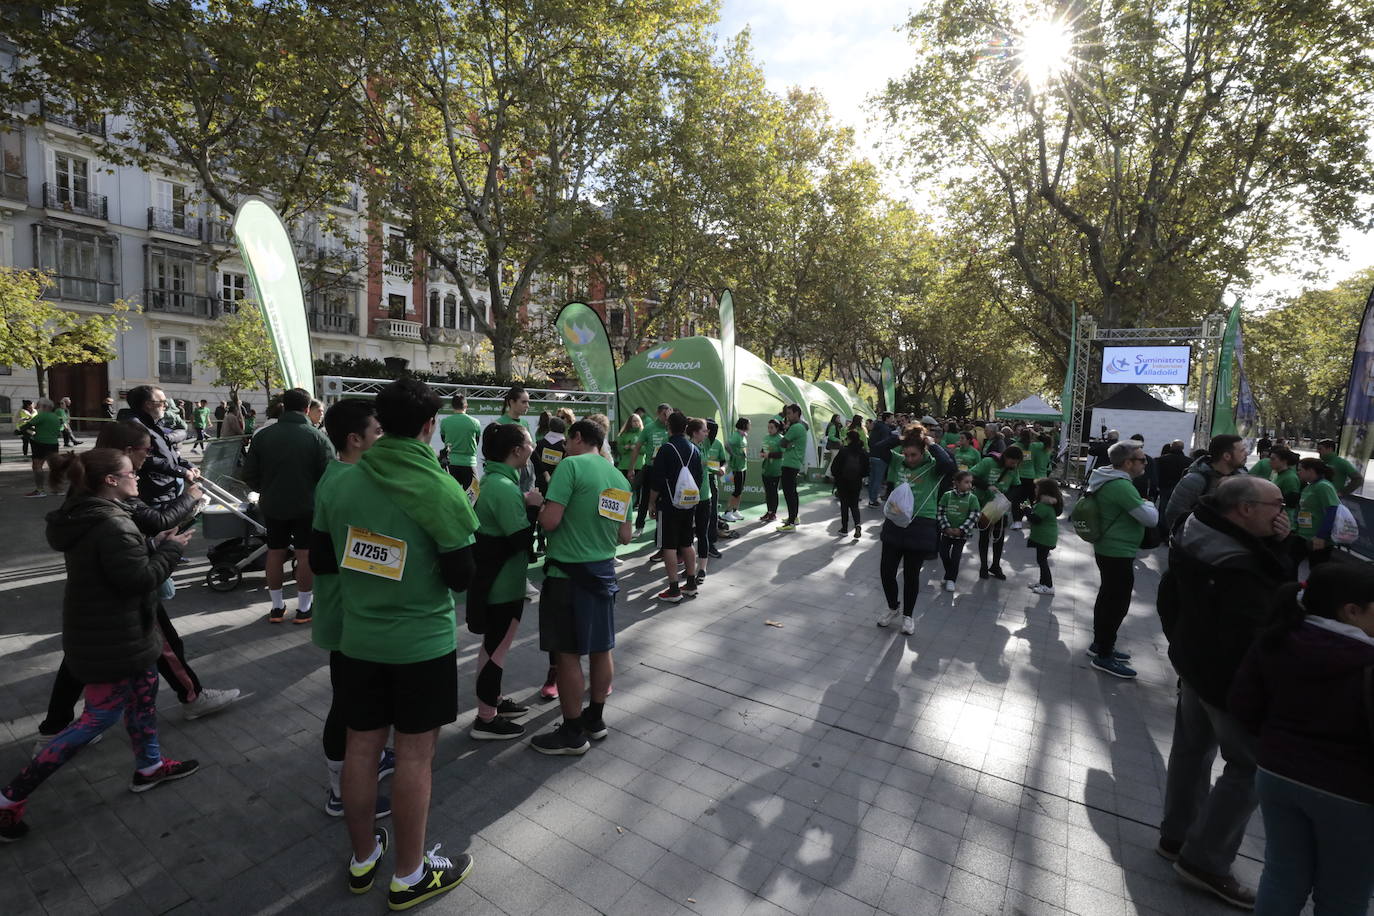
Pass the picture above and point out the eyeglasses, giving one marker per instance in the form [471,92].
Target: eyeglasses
[1271,503]
[132,474]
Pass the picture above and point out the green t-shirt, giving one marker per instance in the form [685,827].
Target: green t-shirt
[1316,498]
[389,621]
[794,446]
[500,512]
[584,535]
[1342,471]
[949,438]
[958,506]
[625,447]
[46,426]
[202,417]
[1291,488]
[737,444]
[66,414]
[1262,469]
[924,480]
[966,458]
[1026,470]
[713,457]
[326,628]
[651,439]
[1044,526]
[998,478]
[772,444]
[1121,533]
[460,433]
[1039,458]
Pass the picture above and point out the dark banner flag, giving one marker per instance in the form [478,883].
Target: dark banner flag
[1357,436]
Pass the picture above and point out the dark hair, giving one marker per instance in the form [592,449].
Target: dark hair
[664,406]
[297,399]
[1322,469]
[960,475]
[345,417]
[853,438]
[512,394]
[796,408]
[139,395]
[1263,445]
[1326,443]
[1025,436]
[405,406]
[86,472]
[1013,451]
[123,434]
[459,402]
[1044,486]
[591,433]
[1287,456]
[1221,445]
[677,423]
[556,425]
[501,439]
[1330,587]
[742,423]
[885,415]
[712,429]
[26,403]
[694,424]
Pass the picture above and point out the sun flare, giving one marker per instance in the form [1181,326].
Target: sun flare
[1046,48]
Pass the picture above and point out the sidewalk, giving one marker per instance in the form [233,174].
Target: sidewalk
[825,766]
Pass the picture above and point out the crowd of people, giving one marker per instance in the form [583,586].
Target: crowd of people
[1272,676]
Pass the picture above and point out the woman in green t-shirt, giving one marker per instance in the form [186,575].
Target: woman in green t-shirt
[771,455]
[1316,508]
[966,453]
[625,450]
[992,476]
[737,448]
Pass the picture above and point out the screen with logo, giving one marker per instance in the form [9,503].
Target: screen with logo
[1145,365]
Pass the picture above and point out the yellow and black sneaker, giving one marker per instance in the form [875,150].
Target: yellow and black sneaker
[361,877]
[439,874]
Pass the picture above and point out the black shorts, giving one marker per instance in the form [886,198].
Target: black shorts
[413,699]
[676,528]
[42,450]
[288,532]
[739,482]
[461,473]
[573,628]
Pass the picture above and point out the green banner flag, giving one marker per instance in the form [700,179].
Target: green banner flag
[266,248]
[1223,403]
[889,385]
[1066,398]
[589,350]
[727,358]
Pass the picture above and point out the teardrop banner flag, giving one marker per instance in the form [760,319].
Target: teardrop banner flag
[589,350]
[265,246]
[1223,402]
[727,358]
[889,385]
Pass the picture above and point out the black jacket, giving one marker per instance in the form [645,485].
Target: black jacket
[881,439]
[109,605]
[1171,468]
[849,467]
[1216,596]
[159,479]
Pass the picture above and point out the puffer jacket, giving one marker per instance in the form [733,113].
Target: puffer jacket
[109,620]
[1200,480]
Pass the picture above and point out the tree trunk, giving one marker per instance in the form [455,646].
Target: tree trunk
[42,379]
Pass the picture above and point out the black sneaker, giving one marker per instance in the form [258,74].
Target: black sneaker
[440,875]
[566,740]
[656,556]
[691,590]
[498,729]
[701,577]
[361,877]
[1223,886]
[982,573]
[12,826]
[169,771]
[1119,656]
[594,728]
[1169,849]
[996,573]
[302,616]
[509,709]
[672,594]
[713,553]
[277,615]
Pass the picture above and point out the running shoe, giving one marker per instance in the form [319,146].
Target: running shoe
[1119,656]
[1224,886]
[690,591]
[844,532]
[302,616]
[594,728]
[441,875]
[996,573]
[983,573]
[856,532]
[509,709]
[872,504]
[277,615]
[949,585]
[565,740]
[908,625]
[498,729]
[169,771]
[713,553]
[672,594]
[35,494]
[386,764]
[701,577]
[362,877]
[769,517]
[885,618]
[208,701]
[12,826]
[656,556]
[333,805]
[639,532]
[1015,526]
[1113,667]
[787,526]
[550,689]
[44,740]
[1043,589]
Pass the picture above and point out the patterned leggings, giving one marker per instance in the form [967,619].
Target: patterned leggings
[502,622]
[134,697]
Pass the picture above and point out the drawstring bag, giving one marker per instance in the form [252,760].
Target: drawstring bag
[900,507]
[686,492]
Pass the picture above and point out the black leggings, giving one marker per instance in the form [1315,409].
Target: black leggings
[910,561]
[705,524]
[643,510]
[789,492]
[770,494]
[499,617]
[462,474]
[951,550]
[1042,557]
[995,535]
[335,735]
[739,482]
[849,503]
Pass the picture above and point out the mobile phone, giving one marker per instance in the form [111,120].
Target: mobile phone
[188,524]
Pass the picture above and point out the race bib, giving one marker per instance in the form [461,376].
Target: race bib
[550,456]
[374,554]
[473,492]
[713,464]
[614,504]
[1304,518]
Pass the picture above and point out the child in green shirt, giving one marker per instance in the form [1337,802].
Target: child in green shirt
[957,516]
[1043,516]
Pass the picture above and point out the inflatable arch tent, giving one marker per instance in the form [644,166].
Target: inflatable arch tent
[688,374]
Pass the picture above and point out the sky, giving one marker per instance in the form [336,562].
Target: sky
[850,49]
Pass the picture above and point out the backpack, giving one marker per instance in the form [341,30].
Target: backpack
[849,465]
[686,492]
[1087,518]
[1344,529]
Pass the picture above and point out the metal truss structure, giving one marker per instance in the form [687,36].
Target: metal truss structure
[580,402]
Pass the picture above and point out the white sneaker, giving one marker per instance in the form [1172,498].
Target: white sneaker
[885,618]
[733,516]
[209,700]
[949,585]
[639,532]
[1043,589]
[908,625]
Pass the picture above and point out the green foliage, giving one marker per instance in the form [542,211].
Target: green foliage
[36,333]
[238,348]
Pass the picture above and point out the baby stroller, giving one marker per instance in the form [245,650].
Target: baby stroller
[232,517]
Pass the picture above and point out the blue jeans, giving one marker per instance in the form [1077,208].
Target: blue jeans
[1316,843]
[877,474]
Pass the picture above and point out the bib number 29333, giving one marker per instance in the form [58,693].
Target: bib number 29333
[374,554]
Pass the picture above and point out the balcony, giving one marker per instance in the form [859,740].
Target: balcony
[173,222]
[398,268]
[81,289]
[174,373]
[82,203]
[219,232]
[73,120]
[335,322]
[439,335]
[337,255]
[177,302]
[396,329]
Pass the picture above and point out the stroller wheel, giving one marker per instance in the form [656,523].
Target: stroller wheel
[223,578]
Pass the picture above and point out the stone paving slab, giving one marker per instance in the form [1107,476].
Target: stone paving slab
[823,767]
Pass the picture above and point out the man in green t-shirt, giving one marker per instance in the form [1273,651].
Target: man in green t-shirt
[655,433]
[1124,517]
[586,514]
[460,433]
[1345,477]
[793,460]
[400,531]
[64,410]
[44,433]
[200,421]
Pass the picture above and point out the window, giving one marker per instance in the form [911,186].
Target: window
[176,283]
[617,321]
[435,318]
[396,306]
[84,263]
[6,370]
[13,180]
[5,406]
[331,356]
[172,362]
[451,311]
[172,199]
[232,288]
[72,176]
[397,255]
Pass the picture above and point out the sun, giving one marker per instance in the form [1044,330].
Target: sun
[1046,49]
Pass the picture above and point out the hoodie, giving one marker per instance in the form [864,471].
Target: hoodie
[109,604]
[1200,480]
[1125,516]
[1308,698]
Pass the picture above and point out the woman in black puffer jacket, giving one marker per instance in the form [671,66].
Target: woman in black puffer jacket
[109,625]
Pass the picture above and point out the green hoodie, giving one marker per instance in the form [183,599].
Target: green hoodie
[772,444]
[501,512]
[1122,511]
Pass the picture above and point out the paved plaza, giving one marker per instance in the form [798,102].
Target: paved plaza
[823,766]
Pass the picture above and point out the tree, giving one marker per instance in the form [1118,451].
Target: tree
[239,350]
[36,333]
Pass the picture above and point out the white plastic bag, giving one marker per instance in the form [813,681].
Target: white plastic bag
[900,506]
[1344,529]
[997,507]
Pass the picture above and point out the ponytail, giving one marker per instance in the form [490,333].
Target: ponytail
[85,473]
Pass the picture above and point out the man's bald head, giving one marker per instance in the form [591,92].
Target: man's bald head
[1252,503]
